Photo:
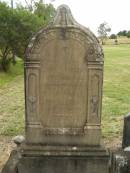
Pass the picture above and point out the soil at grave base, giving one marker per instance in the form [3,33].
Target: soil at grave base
[5,148]
[6,145]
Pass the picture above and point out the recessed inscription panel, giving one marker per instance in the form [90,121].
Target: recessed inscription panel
[64,66]
[63,84]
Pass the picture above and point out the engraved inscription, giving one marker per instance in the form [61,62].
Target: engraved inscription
[63,79]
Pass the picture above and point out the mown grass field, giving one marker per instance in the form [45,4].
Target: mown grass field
[14,71]
[12,101]
[121,40]
[116,94]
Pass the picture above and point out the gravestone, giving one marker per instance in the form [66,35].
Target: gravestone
[63,77]
[63,94]
[126,132]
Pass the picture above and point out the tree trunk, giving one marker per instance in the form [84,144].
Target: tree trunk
[14,59]
[5,62]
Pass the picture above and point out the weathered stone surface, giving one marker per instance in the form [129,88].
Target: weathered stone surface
[64,73]
[11,164]
[89,161]
[126,132]
[63,92]
[62,164]
[18,140]
[120,162]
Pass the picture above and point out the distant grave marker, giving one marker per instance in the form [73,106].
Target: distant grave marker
[126,132]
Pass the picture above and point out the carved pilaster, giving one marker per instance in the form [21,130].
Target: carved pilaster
[95,77]
[93,123]
[32,92]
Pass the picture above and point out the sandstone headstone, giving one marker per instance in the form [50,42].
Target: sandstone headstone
[63,77]
[63,94]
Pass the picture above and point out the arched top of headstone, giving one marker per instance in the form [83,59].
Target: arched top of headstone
[64,22]
[64,17]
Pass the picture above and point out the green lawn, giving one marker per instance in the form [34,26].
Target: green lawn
[12,101]
[116,98]
[14,71]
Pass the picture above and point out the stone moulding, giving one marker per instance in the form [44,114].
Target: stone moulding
[64,28]
[93,48]
[61,21]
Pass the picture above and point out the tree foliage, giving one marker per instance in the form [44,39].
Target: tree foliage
[103,31]
[128,34]
[30,4]
[124,33]
[17,26]
[44,11]
[5,17]
[113,36]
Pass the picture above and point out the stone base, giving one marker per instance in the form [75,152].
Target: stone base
[63,165]
[74,160]
[12,163]
[39,159]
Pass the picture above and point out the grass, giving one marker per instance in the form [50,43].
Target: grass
[121,40]
[116,94]
[14,71]
[116,98]
[12,101]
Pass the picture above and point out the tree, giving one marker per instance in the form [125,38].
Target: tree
[128,34]
[30,4]
[26,24]
[44,11]
[103,31]
[16,28]
[122,33]
[113,36]
[5,36]
[33,5]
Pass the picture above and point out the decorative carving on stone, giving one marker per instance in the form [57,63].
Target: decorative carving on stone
[62,20]
[32,92]
[32,103]
[32,80]
[68,95]
[94,105]
[95,95]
